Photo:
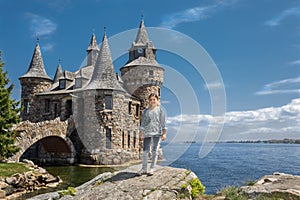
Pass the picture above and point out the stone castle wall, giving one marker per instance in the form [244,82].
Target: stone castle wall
[141,81]
[30,87]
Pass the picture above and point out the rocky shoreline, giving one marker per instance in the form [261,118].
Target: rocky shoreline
[172,183]
[20,183]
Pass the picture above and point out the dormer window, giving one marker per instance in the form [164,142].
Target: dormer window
[78,83]
[62,83]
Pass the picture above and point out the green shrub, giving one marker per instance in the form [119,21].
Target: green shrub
[231,193]
[250,183]
[69,191]
[197,187]
[183,186]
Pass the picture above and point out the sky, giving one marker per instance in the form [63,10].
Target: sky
[254,44]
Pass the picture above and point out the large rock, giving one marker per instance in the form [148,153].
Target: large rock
[278,185]
[166,183]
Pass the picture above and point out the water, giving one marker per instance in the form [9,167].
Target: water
[71,176]
[227,164]
[237,164]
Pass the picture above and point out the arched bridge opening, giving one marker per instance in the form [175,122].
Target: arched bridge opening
[51,150]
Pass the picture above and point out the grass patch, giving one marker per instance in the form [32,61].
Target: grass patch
[250,183]
[8,169]
[69,191]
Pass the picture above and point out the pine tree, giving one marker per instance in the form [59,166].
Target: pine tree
[9,115]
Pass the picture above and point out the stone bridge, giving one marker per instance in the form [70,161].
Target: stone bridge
[46,141]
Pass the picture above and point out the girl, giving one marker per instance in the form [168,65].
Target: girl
[153,126]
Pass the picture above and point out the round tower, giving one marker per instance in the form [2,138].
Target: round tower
[34,81]
[142,75]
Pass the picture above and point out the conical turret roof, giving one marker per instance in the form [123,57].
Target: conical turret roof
[58,73]
[93,44]
[142,37]
[104,75]
[36,68]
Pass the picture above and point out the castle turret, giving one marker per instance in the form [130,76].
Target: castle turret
[107,118]
[104,75]
[34,81]
[58,73]
[92,51]
[142,74]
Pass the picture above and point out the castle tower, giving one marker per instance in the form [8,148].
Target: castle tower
[92,51]
[108,121]
[142,75]
[34,81]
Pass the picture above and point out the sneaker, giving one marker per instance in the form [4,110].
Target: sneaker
[141,172]
[151,172]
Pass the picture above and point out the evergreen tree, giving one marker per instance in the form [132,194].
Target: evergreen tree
[9,115]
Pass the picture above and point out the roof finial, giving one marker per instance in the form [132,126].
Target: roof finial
[104,29]
[142,15]
[37,38]
[59,60]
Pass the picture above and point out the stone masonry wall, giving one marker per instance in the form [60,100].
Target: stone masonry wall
[101,123]
[28,133]
[30,87]
[143,80]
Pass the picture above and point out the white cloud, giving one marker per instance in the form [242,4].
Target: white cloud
[286,86]
[47,47]
[283,15]
[266,123]
[59,5]
[296,62]
[194,14]
[41,26]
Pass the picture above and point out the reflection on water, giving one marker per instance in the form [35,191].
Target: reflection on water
[71,176]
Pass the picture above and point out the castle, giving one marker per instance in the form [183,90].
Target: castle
[104,106]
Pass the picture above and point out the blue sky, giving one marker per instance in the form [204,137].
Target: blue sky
[255,45]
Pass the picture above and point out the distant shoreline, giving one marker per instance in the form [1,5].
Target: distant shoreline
[272,141]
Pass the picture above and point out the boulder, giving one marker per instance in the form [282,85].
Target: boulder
[166,183]
[277,185]
[2,194]
[11,180]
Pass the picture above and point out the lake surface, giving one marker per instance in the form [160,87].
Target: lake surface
[239,163]
[227,164]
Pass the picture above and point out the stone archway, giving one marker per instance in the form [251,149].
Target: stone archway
[51,150]
[29,134]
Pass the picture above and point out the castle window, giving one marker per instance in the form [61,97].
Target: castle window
[134,139]
[137,110]
[69,108]
[55,110]
[123,139]
[26,106]
[78,82]
[151,73]
[62,84]
[108,137]
[129,107]
[128,139]
[47,105]
[108,102]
